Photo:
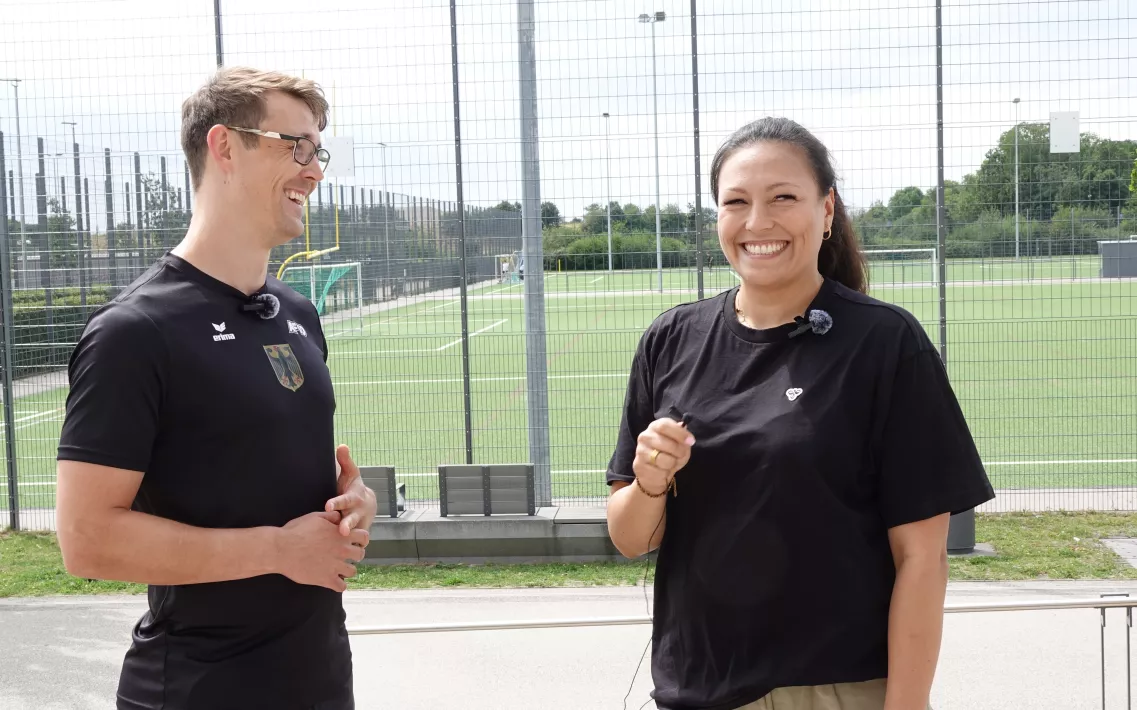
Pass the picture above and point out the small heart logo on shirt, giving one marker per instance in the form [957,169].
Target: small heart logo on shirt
[793,393]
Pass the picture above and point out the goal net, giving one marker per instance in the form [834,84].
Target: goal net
[903,266]
[335,289]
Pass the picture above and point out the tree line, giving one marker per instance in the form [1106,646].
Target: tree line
[1067,203]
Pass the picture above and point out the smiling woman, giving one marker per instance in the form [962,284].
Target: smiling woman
[821,449]
[782,224]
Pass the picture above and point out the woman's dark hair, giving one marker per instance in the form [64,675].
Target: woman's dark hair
[840,258]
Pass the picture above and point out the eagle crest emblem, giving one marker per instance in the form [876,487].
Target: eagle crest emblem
[285,366]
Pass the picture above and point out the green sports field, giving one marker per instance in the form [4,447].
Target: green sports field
[1043,356]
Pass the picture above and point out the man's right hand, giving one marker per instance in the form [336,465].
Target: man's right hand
[662,449]
[310,550]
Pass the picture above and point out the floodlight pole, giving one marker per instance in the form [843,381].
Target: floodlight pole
[1016,102]
[23,280]
[652,20]
[386,222]
[608,171]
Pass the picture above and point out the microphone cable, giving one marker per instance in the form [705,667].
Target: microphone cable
[685,420]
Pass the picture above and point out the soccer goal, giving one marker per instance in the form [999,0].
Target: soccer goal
[336,289]
[903,266]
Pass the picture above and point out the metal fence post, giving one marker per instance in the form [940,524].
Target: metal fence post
[469,426]
[217,32]
[536,376]
[129,219]
[941,227]
[188,206]
[85,249]
[6,355]
[109,187]
[45,247]
[138,207]
[961,530]
[78,192]
[698,151]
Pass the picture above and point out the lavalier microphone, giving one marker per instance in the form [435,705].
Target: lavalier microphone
[818,321]
[265,305]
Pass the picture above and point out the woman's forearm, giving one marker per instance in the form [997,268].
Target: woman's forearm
[915,629]
[635,520]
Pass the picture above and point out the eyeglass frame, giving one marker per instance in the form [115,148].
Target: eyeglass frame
[316,149]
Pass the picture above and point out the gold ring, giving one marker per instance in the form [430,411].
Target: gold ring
[654,456]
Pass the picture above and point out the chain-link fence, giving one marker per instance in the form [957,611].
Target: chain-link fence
[986,150]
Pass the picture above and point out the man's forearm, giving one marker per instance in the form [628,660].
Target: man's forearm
[130,546]
[915,628]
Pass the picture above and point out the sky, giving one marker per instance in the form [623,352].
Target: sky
[861,74]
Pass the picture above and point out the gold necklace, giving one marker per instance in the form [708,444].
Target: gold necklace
[742,316]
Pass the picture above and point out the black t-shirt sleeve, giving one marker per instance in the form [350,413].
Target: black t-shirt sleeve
[116,373]
[320,333]
[637,415]
[929,464]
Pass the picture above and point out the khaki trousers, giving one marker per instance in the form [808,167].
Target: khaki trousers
[841,696]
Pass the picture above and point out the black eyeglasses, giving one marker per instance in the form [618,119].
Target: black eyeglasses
[303,150]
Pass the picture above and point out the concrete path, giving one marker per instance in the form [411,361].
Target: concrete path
[64,653]
[37,384]
[1066,499]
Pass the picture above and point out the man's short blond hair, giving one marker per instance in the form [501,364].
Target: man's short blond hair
[235,96]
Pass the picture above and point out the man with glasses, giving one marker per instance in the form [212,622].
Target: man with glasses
[197,453]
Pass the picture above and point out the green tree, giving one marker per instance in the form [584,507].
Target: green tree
[595,219]
[635,220]
[904,201]
[163,218]
[872,224]
[1098,175]
[708,218]
[62,239]
[550,215]
[1133,179]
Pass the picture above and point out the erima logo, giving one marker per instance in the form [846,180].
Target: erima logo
[294,327]
[221,334]
[793,393]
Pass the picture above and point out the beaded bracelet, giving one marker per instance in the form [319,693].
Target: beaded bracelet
[670,487]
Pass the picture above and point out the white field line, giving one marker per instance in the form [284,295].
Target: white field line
[986,463]
[499,290]
[37,415]
[412,314]
[1059,462]
[476,332]
[577,471]
[712,290]
[434,474]
[25,425]
[451,380]
[444,304]
[401,352]
[32,420]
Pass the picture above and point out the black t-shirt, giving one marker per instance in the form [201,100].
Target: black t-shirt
[229,417]
[775,568]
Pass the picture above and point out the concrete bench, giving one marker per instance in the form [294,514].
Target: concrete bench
[390,496]
[473,489]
